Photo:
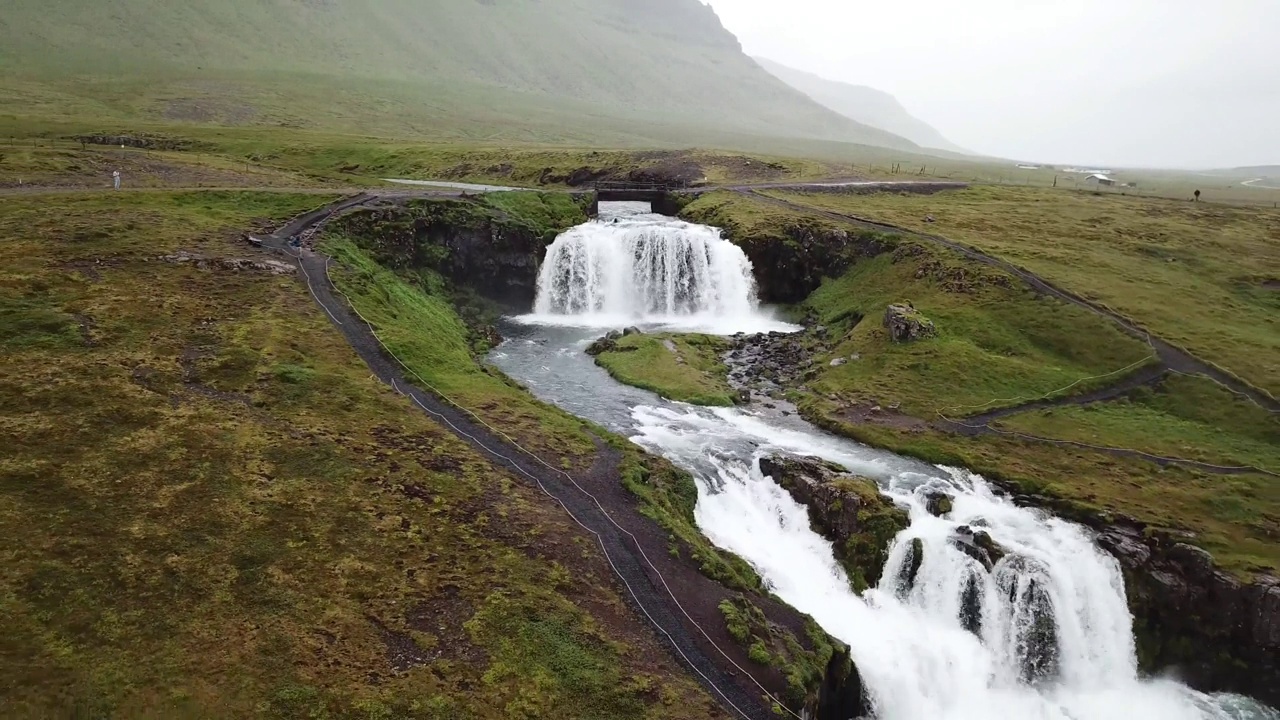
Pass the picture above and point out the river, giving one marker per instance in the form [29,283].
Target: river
[917,659]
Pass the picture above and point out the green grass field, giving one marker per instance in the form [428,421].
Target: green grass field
[222,514]
[1185,417]
[1179,269]
[685,368]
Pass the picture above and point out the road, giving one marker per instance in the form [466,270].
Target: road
[1261,183]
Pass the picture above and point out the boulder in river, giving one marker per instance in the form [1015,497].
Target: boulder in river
[937,503]
[906,324]
[603,345]
[978,545]
[846,509]
[910,568]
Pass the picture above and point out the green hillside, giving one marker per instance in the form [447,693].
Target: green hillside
[577,67]
[862,104]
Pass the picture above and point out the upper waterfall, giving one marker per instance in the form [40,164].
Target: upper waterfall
[634,267]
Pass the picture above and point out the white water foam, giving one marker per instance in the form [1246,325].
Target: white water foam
[631,267]
[917,659]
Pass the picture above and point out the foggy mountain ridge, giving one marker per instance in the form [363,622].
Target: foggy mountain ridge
[632,63]
[863,104]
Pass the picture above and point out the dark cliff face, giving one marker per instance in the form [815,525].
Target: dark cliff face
[1218,632]
[791,259]
[467,244]
[842,696]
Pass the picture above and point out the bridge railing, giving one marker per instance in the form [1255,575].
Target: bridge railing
[630,186]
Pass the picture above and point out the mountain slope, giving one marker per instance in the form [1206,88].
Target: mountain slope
[863,104]
[658,62]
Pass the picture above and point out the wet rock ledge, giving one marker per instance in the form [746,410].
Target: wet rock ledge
[846,509]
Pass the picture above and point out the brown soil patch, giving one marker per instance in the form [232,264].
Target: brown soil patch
[442,616]
[868,414]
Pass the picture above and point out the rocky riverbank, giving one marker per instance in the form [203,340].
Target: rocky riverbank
[846,509]
[1216,630]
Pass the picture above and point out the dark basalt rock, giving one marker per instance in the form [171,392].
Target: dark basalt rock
[470,245]
[1220,632]
[846,509]
[1034,625]
[842,696]
[791,265]
[978,545]
[910,569]
[938,503]
[602,345]
[971,605]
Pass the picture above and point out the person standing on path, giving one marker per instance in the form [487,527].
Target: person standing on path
[115,176]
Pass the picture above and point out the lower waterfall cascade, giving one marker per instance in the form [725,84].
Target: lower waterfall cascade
[1043,632]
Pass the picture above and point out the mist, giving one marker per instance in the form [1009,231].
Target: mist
[1140,83]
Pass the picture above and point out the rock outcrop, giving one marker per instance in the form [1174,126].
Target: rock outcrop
[791,259]
[978,545]
[938,503]
[1221,633]
[846,509]
[906,324]
[466,242]
[607,343]
[842,695]
[768,362]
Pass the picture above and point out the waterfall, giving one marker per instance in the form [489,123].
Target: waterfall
[632,267]
[1043,632]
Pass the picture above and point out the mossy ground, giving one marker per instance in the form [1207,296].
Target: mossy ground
[1185,417]
[879,521]
[680,367]
[802,663]
[1199,275]
[216,511]
[997,343]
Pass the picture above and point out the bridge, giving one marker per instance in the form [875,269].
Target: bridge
[660,195]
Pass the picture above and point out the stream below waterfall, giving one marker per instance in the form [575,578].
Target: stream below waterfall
[916,657]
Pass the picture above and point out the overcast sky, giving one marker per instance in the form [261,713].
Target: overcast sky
[1158,83]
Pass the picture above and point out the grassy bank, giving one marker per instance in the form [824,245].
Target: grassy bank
[1174,267]
[223,514]
[1185,417]
[418,324]
[684,368]
[997,343]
